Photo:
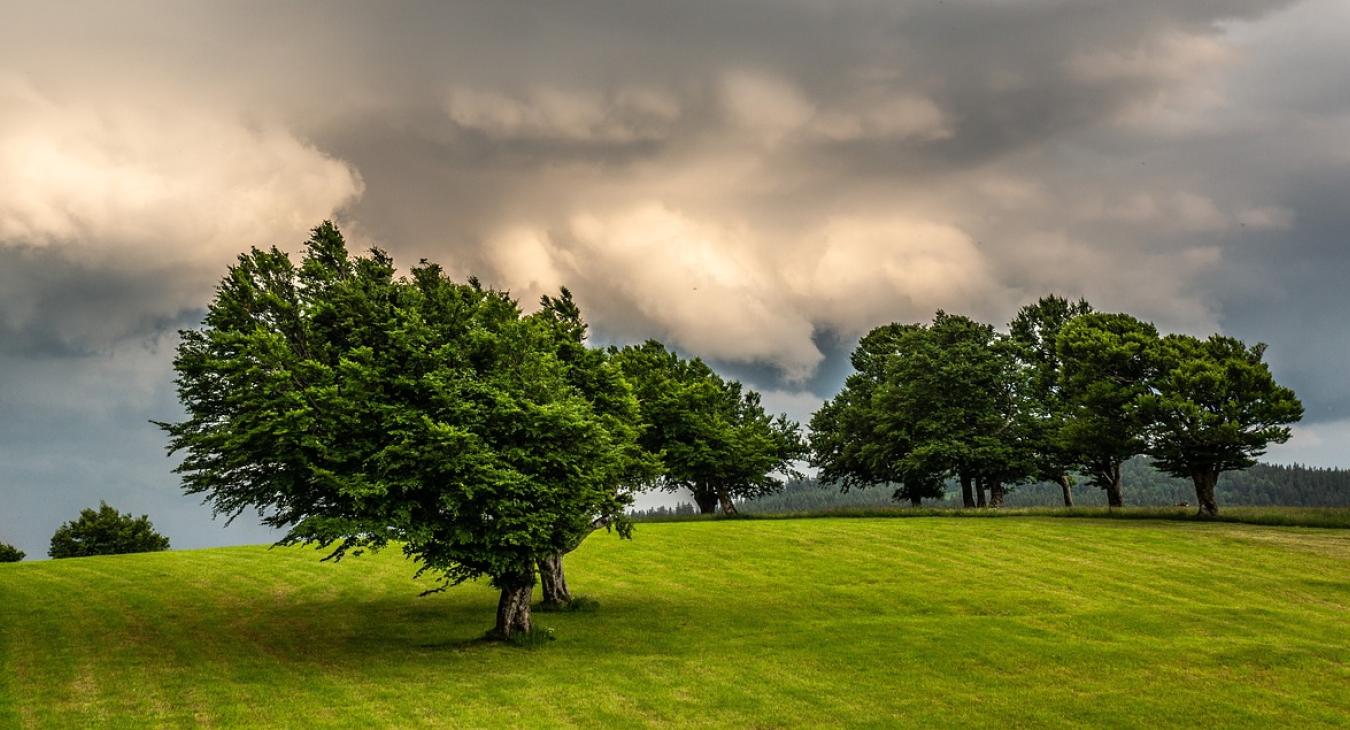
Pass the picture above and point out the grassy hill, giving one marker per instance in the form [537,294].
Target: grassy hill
[821,622]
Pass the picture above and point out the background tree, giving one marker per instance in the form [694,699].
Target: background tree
[1034,333]
[712,436]
[354,408]
[106,531]
[925,402]
[593,373]
[10,554]
[1215,408]
[1106,369]
[957,386]
[855,444]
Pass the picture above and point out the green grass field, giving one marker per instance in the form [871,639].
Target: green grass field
[1020,621]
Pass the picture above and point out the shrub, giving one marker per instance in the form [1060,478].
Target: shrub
[106,531]
[10,554]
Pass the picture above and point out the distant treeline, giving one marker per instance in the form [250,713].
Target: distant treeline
[1259,486]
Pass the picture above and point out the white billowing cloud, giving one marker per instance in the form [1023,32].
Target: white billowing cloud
[767,106]
[1154,285]
[771,108]
[553,114]
[137,188]
[1175,74]
[725,292]
[1171,56]
[858,272]
[897,117]
[125,182]
[662,273]
[1314,444]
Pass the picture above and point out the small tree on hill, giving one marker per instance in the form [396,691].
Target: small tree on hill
[106,531]
[1215,408]
[10,554]
[712,436]
[1107,365]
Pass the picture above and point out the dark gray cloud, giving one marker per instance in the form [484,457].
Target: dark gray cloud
[755,182]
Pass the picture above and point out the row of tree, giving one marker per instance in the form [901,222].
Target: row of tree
[354,408]
[1066,391]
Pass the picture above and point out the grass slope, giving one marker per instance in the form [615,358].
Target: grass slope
[822,622]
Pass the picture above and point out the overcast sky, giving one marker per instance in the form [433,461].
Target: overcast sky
[757,183]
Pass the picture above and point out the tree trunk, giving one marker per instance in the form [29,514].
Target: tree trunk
[996,493]
[1067,486]
[915,501]
[513,608]
[1113,496]
[1205,481]
[728,507]
[967,492]
[706,501]
[979,492]
[554,582]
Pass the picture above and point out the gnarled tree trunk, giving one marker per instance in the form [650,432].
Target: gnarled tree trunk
[513,608]
[1113,495]
[979,492]
[554,582]
[1205,481]
[706,501]
[996,493]
[728,507]
[1067,486]
[915,501]
[967,492]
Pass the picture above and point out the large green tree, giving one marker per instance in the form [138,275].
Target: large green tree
[1214,407]
[926,402]
[1034,333]
[1107,365]
[712,436]
[354,407]
[105,531]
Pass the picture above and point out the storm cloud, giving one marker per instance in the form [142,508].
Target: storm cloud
[757,183]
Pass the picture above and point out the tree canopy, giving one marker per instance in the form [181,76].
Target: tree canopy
[354,407]
[106,531]
[711,435]
[1214,407]
[1034,334]
[926,402]
[10,554]
[1107,365]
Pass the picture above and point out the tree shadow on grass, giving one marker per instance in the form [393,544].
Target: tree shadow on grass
[337,631]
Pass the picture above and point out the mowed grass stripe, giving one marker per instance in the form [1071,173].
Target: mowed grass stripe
[824,622]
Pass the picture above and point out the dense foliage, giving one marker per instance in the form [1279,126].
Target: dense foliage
[1068,392]
[10,554]
[106,531]
[712,436]
[926,402]
[1034,333]
[1213,408]
[355,408]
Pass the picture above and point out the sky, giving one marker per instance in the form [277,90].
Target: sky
[757,183]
